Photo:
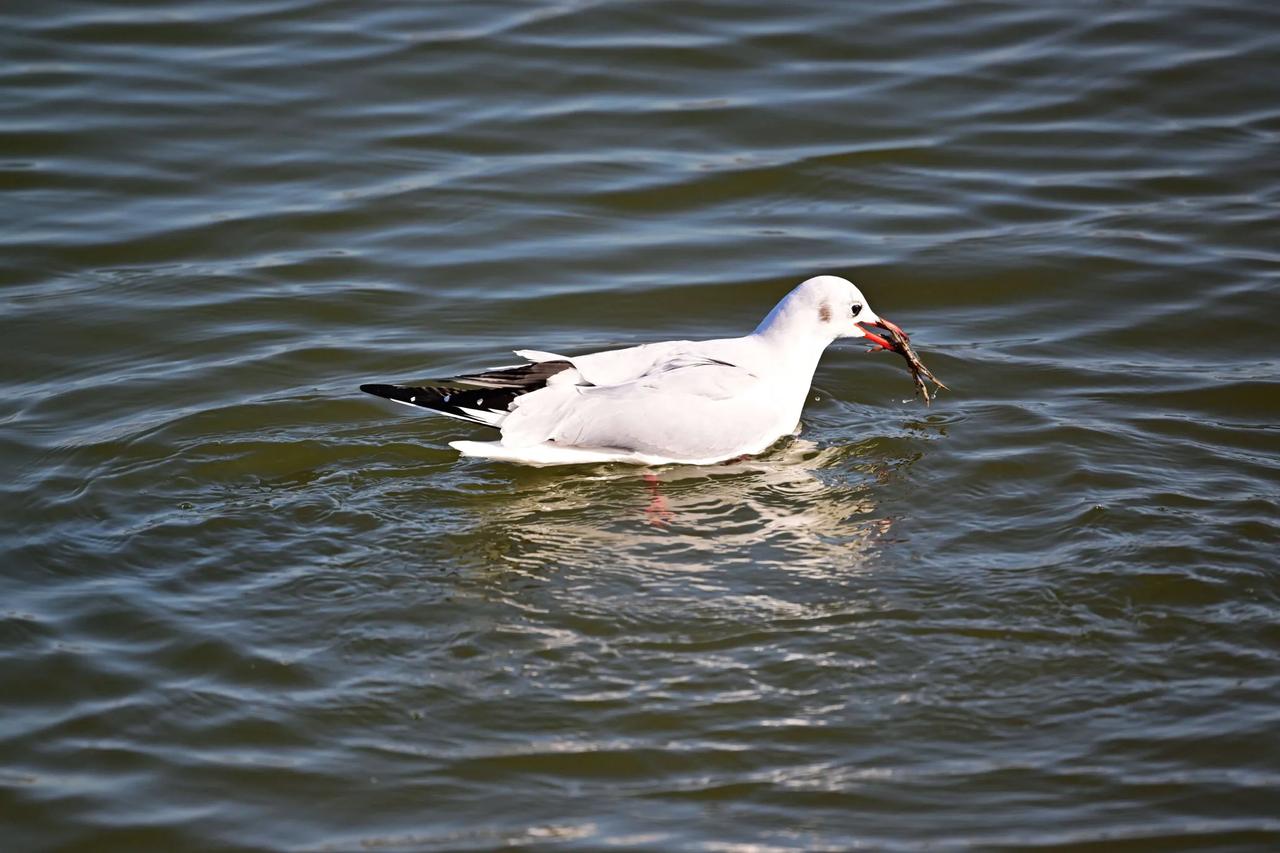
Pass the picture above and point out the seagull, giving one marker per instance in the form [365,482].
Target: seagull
[675,402]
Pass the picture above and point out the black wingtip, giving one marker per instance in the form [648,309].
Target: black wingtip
[385,391]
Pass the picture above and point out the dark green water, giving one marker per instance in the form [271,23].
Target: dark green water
[244,607]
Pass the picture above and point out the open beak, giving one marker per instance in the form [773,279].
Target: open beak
[882,323]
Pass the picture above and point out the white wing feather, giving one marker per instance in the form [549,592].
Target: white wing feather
[684,407]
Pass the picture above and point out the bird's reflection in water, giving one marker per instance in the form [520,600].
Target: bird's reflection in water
[799,507]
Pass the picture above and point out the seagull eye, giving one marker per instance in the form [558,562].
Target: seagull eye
[857,308]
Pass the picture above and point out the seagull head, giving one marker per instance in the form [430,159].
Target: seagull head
[827,307]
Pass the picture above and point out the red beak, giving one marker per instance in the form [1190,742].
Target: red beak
[882,323]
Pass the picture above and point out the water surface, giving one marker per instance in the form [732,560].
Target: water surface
[246,607]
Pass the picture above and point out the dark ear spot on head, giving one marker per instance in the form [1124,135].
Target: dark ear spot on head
[824,313]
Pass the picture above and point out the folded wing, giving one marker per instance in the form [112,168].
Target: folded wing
[685,405]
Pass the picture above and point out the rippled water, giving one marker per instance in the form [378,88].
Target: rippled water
[244,606]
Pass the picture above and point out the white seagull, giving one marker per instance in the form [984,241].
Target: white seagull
[688,402]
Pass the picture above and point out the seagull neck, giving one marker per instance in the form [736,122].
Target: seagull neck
[797,350]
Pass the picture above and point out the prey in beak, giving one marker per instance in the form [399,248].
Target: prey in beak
[882,323]
[898,341]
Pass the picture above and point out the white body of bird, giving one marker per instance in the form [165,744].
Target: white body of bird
[693,402]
